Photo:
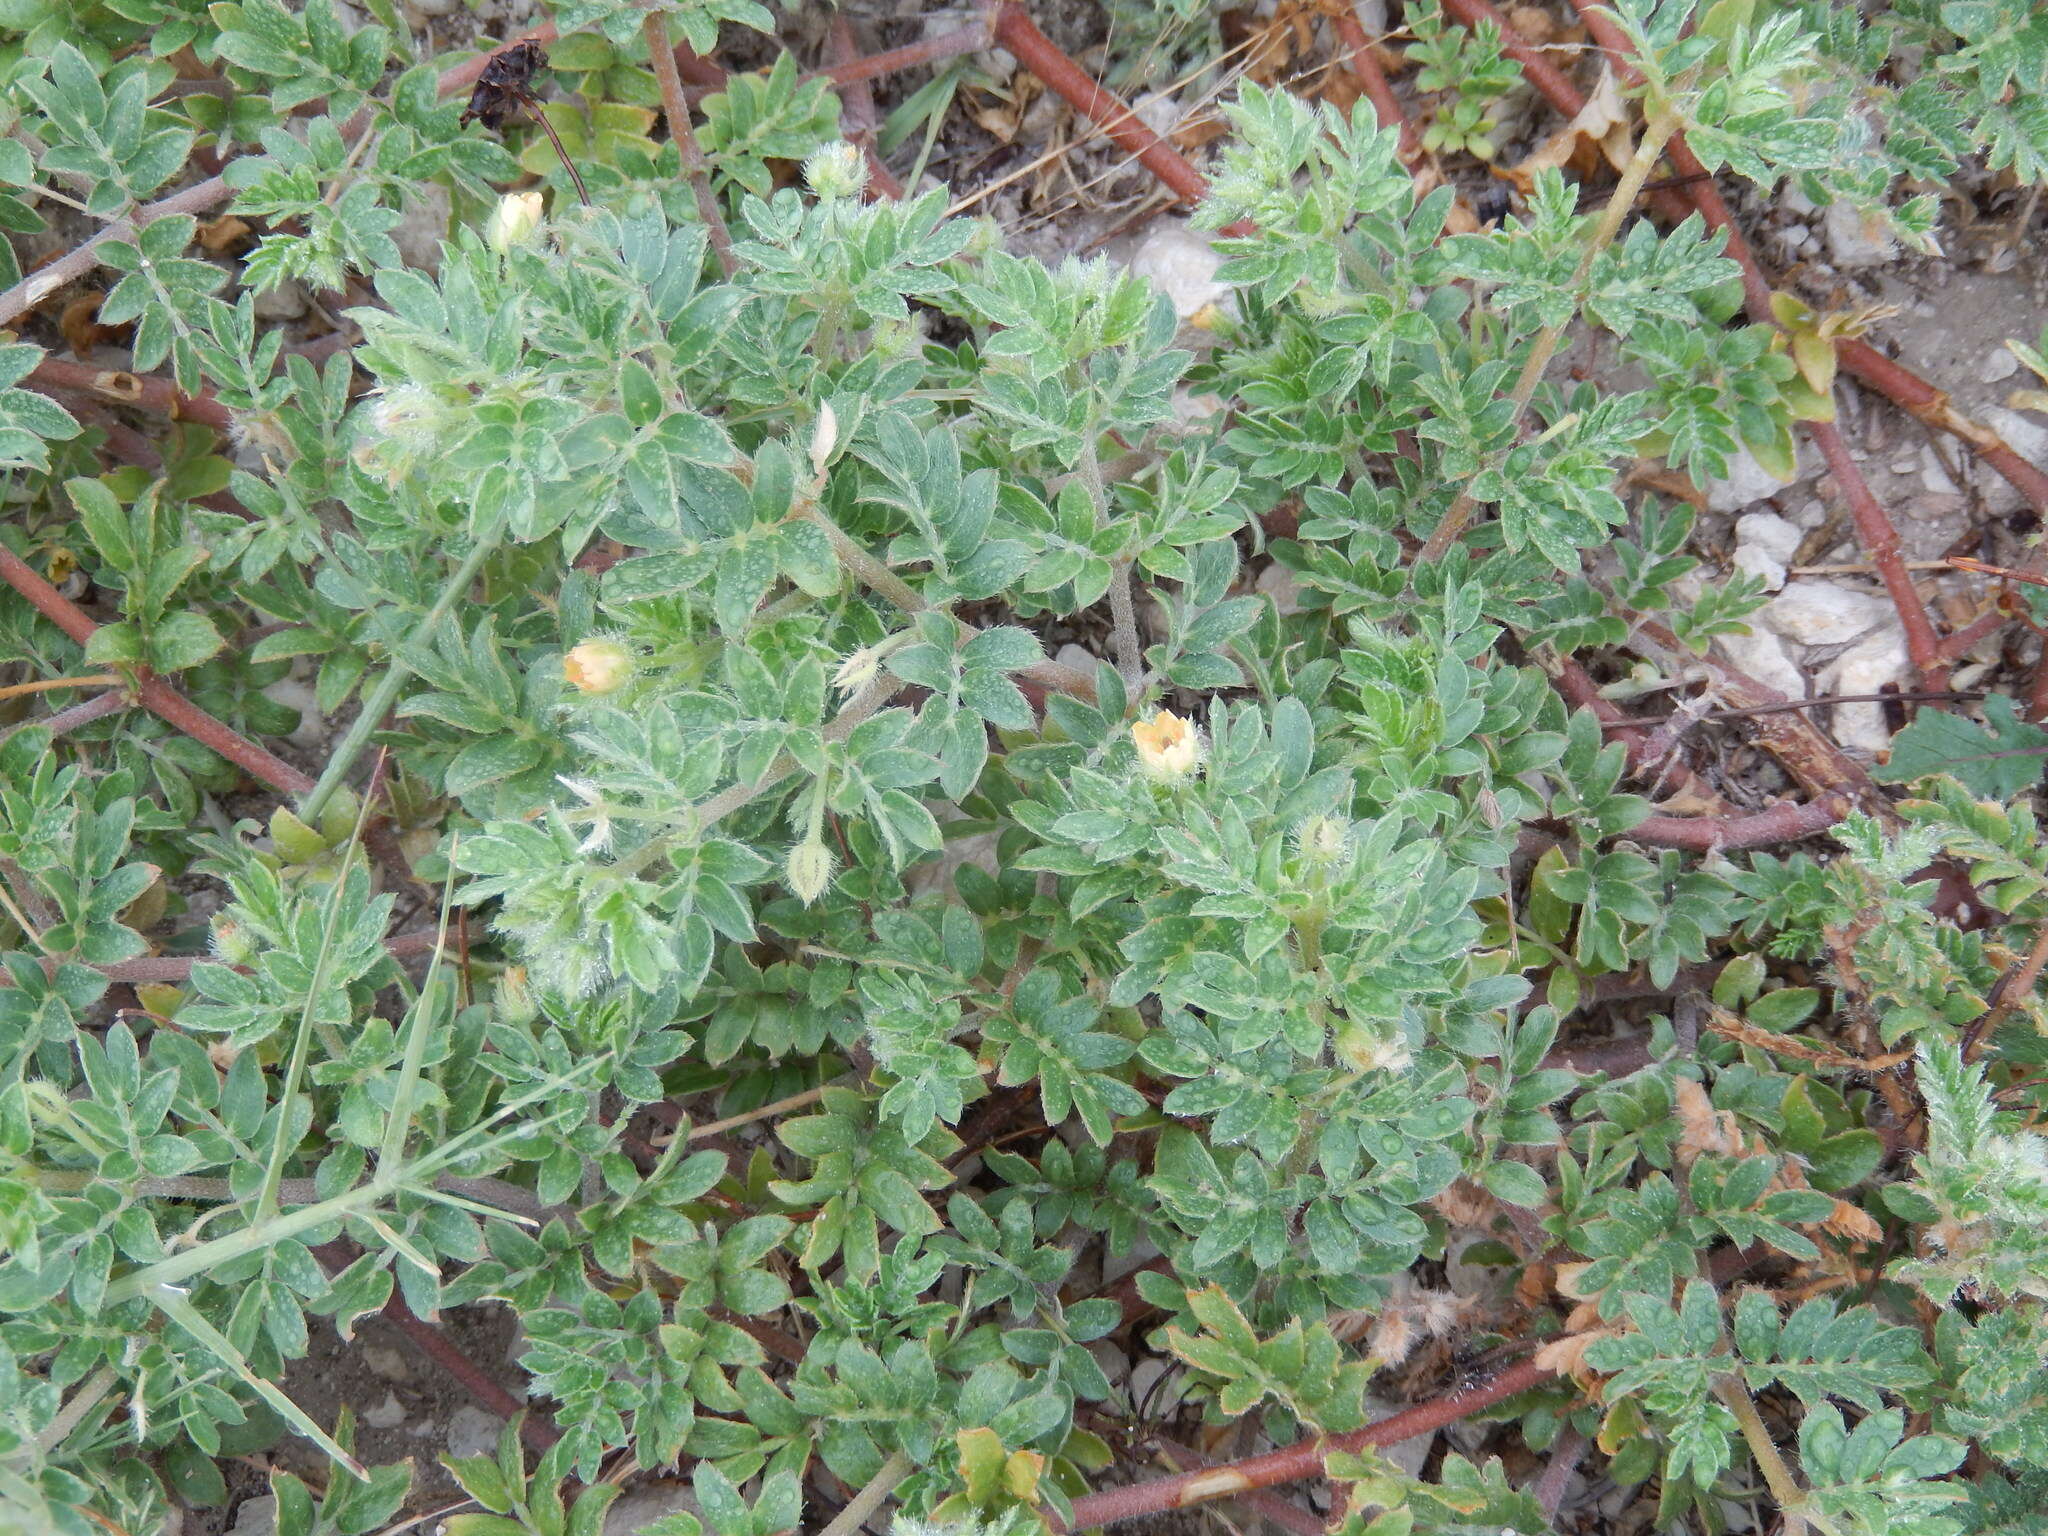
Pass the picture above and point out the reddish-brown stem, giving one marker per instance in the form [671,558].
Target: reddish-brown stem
[684,137]
[124,388]
[1549,1489]
[1365,68]
[1617,1058]
[1880,542]
[1305,1459]
[536,1429]
[932,49]
[1645,754]
[113,701]
[1931,405]
[859,119]
[1536,69]
[1820,766]
[1780,824]
[2016,983]
[158,695]
[1268,1507]
[1015,31]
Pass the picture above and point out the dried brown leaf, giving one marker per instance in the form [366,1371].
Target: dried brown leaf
[1600,132]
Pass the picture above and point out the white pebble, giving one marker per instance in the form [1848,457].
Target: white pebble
[1825,612]
[1868,665]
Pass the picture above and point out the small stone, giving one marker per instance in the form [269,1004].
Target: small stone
[1408,1455]
[1159,112]
[472,1432]
[1078,657]
[1191,410]
[1811,513]
[1278,583]
[295,692]
[388,1414]
[1905,466]
[1929,524]
[1764,546]
[423,226]
[287,301]
[1763,656]
[644,1503]
[1854,240]
[1747,482]
[255,1517]
[1934,474]
[936,875]
[1999,365]
[1825,612]
[1182,265]
[1867,667]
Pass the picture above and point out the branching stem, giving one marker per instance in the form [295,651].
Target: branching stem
[1656,133]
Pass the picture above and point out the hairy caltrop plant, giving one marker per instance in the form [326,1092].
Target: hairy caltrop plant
[978,897]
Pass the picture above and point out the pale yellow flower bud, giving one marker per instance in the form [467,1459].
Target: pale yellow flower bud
[809,871]
[597,666]
[837,170]
[824,437]
[513,221]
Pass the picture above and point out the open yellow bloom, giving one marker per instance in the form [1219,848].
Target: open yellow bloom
[1167,746]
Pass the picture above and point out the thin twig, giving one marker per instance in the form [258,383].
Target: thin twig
[677,110]
[533,110]
[2017,981]
[748,1117]
[1914,696]
[111,702]
[869,1499]
[1303,1459]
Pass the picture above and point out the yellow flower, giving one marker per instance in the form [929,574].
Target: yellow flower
[1167,746]
[597,666]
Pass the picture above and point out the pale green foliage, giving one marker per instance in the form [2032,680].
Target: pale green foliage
[708,621]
